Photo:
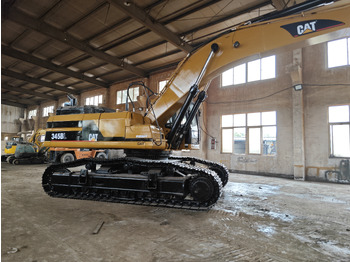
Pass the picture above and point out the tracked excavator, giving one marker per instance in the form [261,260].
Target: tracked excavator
[149,174]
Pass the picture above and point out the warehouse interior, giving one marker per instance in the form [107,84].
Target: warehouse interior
[278,119]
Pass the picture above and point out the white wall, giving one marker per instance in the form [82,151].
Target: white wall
[9,115]
[314,99]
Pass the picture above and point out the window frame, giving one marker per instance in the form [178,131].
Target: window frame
[247,65]
[248,127]
[123,93]
[91,100]
[162,84]
[347,46]
[32,113]
[332,153]
[48,110]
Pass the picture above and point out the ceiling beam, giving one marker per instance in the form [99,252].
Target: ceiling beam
[223,19]
[36,81]
[279,4]
[9,103]
[123,21]
[59,35]
[19,100]
[51,66]
[185,33]
[142,17]
[124,40]
[27,91]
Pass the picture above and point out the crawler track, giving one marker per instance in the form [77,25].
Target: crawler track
[220,169]
[169,183]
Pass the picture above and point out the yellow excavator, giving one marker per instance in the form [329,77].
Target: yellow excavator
[149,174]
[18,151]
[10,147]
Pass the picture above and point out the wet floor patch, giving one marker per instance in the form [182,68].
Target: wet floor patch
[241,199]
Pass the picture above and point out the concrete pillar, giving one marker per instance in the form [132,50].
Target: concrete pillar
[298,118]
[298,135]
[39,118]
[78,97]
[107,100]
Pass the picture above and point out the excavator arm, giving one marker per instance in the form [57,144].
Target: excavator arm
[306,24]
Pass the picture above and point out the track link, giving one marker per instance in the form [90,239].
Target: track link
[219,168]
[195,182]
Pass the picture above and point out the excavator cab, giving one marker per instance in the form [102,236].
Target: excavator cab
[11,145]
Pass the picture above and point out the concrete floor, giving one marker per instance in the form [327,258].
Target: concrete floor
[257,219]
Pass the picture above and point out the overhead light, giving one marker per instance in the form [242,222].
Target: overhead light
[127,3]
[298,87]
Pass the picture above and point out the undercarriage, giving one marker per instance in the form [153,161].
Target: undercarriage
[178,182]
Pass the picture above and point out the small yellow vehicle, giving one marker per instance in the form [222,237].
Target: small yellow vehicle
[18,151]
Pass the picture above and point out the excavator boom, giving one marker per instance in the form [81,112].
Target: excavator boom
[319,23]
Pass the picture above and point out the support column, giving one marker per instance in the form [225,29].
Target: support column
[298,117]
[107,100]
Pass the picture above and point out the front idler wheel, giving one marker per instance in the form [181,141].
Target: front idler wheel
[201,189]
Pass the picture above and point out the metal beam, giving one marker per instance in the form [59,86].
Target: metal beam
[123,21]
[185,33]
[45,64]
[112,27]
[223,19]
[113,44]
[36,81]
[50,31]
[9,103]
[26,91]
[20,100]
[142,17]
[279,4]
[124,40]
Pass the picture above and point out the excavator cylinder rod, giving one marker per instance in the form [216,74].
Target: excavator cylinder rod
[191,95]
[176,142]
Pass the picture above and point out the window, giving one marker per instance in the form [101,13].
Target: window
[161,85]
[227,78]
[93,101]
[122,94]
[47,110]
[32,113]
[239,74]
[339,130]
[338,52]
[252,133]
[260,69]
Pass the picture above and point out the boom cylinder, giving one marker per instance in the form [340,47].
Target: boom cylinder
[192,94]
[186,127]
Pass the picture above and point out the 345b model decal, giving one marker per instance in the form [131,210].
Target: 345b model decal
[53,136]
[58,136]
[310,26]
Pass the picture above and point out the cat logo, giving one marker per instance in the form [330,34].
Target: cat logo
[310,26]
[93,137]
[306,28]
